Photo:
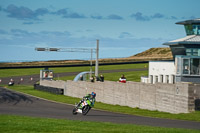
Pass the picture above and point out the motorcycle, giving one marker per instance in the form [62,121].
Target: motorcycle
[11,83]
[82,107]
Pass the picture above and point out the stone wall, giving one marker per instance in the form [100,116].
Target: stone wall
[173,98]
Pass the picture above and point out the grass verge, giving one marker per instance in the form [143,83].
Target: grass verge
[130,76]
[23,124]
[194,116]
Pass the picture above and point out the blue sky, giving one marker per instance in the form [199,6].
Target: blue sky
[123,27]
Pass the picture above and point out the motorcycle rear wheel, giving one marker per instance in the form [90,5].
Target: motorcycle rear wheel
[74,111]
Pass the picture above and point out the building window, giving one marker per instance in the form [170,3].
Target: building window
[195,66]
[192,29]
[193,51]
[189,29]
[186,66]
[196,29]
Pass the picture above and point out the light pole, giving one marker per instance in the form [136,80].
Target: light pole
[97,60]
[83,50]
[91,63]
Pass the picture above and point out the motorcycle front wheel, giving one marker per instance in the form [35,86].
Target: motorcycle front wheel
[85,110]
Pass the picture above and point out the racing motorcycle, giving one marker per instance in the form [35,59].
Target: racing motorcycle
[82,107]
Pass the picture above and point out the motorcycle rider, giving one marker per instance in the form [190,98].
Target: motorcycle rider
[91,97]
[85,104]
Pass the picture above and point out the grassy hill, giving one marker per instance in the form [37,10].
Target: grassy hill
[154,54]
[150,54]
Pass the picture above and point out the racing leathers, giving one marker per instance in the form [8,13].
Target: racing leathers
[91,98]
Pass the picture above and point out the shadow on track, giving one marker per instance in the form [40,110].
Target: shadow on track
[7,96]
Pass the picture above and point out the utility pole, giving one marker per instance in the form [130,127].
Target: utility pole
[97,60]
[91,64]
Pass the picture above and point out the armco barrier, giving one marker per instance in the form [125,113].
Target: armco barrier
[49,89]
[173,98]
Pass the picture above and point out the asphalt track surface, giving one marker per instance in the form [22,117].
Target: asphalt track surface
[16,103]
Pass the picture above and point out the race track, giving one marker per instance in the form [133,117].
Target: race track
[20,104]
[32,79]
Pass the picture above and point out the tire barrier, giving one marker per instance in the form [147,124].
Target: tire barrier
[49,89]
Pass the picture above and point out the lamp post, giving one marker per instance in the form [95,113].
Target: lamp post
[97,60]
[91,63]
[83,50]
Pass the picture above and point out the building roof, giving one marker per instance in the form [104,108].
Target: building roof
[192,39]
[193,21]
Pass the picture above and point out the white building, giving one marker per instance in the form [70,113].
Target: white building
[161,71]
[185,66]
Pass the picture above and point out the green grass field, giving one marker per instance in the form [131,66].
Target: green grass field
[23,124]
[31,71]
[131,76]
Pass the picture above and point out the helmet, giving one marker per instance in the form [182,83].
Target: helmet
[93,94]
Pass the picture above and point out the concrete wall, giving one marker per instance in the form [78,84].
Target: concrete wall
[173,98]
[52,83]
[194,96]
